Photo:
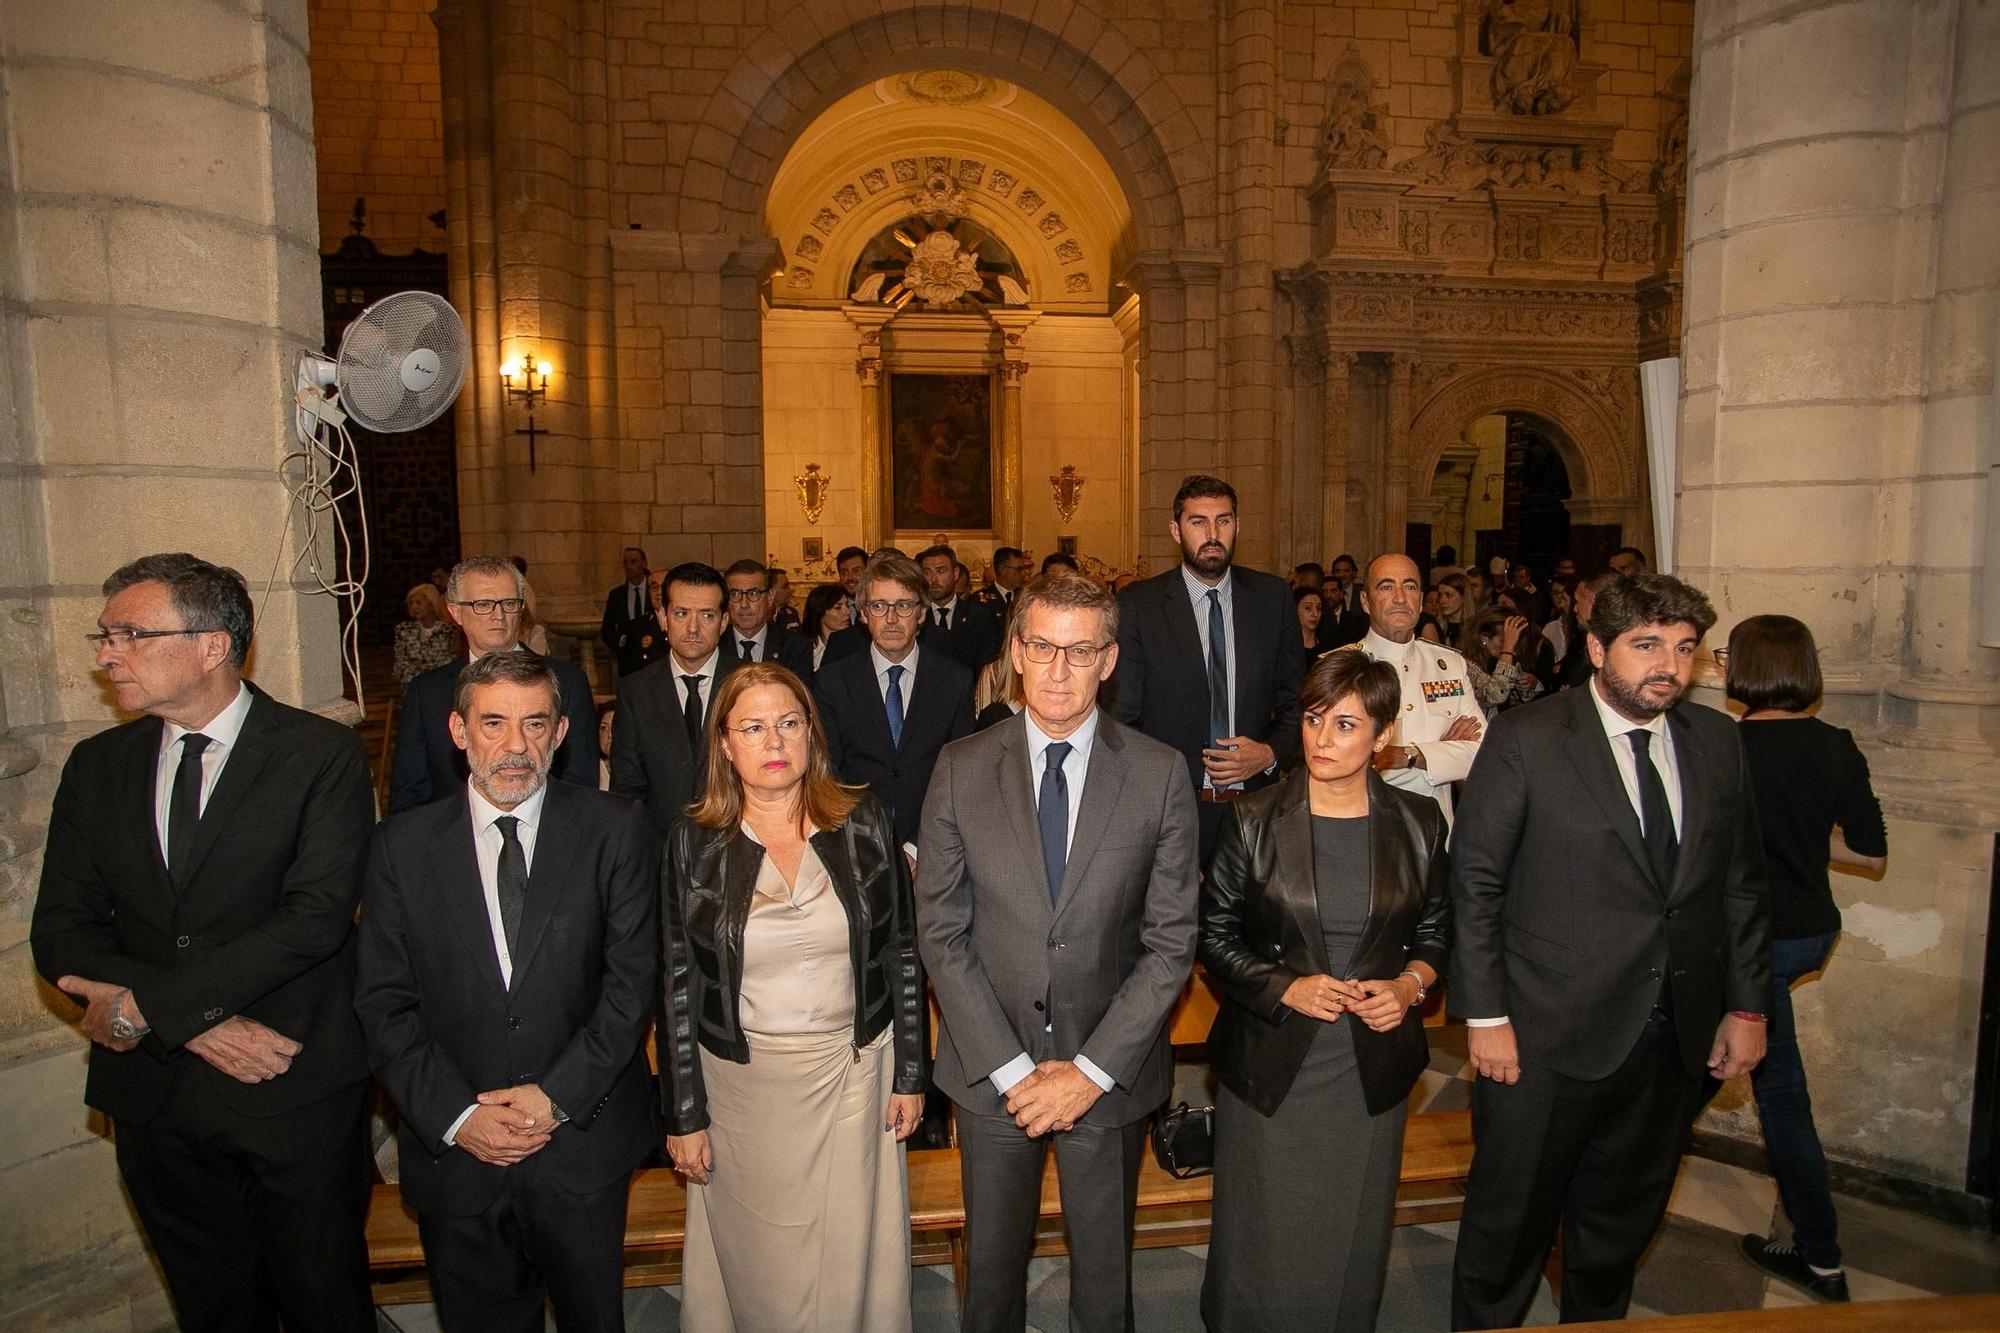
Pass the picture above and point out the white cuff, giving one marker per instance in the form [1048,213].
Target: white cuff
[1006,1076]
[451,1135]
[1094,1074]
[910,850]
[1499,1022]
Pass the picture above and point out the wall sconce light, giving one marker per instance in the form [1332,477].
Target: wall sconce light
[813,487]
[525,381]
[1068,488]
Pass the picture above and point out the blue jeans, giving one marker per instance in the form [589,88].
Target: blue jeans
[1784,1105]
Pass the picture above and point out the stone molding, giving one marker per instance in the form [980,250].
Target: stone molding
[1592,407]
[695,252]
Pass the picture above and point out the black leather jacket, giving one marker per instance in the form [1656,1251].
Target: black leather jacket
[706,883]
[1260,932]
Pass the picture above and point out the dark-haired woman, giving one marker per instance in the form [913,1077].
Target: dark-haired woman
[1311,610]
[1815,804]
[827,613]
[791,1029]
[1325,918]
[1500,679]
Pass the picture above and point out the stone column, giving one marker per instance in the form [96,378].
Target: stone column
[159,268]
[1337,434]
[1177,389]
[1247,441]
[1013,324]
[870,320]
[1840,309]
[1396,469]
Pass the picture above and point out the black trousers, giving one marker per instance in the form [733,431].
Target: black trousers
[1000,1169]
[537,1245]
[255,1219]
[1601,1154]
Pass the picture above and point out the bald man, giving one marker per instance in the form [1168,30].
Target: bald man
[1439,725]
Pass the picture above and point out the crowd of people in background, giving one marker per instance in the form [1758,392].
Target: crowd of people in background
[1040,800]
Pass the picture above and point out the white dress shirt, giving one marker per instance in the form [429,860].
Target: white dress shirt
[908,680]
[760,643]
[1197,592]
[486,844]
[1618,734]
[949,607]
[222,731]
[706,671]
[1074,766]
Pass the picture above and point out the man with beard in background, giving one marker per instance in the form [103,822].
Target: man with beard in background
[1210,659]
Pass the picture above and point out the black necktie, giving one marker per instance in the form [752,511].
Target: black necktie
[511,881]
[1662,847]
[1218,670]
[1052,814]
[937,618]
[691,711]
[748,650]
[184,806]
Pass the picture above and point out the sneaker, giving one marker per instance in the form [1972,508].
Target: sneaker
[1782,1260]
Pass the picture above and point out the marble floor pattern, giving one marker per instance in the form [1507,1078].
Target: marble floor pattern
[1693,1267]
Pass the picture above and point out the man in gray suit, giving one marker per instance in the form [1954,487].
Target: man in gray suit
[1057,924]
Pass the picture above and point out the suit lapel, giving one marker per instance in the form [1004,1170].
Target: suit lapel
[555,849]
[240,772]
[461,896]
[1242,623]
[137,796]
[1103,781]
[1291,833]
[867,701]
[1011,781]
[1590,750]
[1694,802]
[920,693]
[1180,623]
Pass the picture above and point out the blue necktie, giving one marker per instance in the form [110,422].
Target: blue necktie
[1052,813]
[894,703]
[1218,670]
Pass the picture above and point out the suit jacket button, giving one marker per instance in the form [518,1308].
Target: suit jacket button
[181,942]
[514,1023]
[1038,1006]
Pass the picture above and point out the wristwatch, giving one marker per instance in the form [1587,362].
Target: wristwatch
[122,1027]
[1411,754]
[557,1114]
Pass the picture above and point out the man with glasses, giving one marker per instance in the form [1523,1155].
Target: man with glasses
[198,889]
[1055,903]
[1011,568]
[484,596]
[753,636]
[659,751]
[889,710]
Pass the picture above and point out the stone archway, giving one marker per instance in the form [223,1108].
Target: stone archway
[1598,457]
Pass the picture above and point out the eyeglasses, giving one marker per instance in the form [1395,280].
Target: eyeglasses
[486,606]
[902,606]
[1042,652]
[745,594]
[789,728]
[121,640]
[1721,656]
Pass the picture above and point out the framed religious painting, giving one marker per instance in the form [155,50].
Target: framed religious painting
[941,452]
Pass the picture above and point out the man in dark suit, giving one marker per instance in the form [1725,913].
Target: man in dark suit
[628,613]
[889,709]
[848,564]
[508,968]
[783,614]
[1611,949]
[1056,917]
[658,754]
[1210,658]
[1345,619]
[198,893]
[753,636]
[970,632]
[485,599]
[1011,568]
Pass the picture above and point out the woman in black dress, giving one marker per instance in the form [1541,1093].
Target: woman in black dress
[1814,805]
[1311,608]
[1325,917]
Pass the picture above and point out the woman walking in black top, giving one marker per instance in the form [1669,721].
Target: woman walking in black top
[1815,804]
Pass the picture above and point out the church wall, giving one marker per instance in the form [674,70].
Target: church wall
[158,267]
[378,121]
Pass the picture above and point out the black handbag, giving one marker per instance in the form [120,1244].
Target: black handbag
[1184,1141]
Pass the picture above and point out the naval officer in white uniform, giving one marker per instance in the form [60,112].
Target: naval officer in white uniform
[1438,729]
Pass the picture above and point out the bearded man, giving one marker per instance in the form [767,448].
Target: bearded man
[1210,658]
[509,955]
[1611,948]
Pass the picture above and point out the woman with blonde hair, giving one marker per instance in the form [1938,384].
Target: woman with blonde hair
[427,639]
[791,1030]
[997,695]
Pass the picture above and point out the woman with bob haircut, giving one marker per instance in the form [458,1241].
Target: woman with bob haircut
[1325,918]
[1815,805]
[791,1031]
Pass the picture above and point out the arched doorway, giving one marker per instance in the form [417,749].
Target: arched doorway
[1503,490]
[949,309]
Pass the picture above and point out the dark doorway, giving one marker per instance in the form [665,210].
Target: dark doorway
[409,482]
[1535,522]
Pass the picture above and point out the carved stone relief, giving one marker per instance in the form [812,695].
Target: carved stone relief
[1356,131]
[1534,50]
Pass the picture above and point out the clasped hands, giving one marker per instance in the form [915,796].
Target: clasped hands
[1052,1098]
[1235,759]
[240,1047]
[508,1125]
[1380,1004]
